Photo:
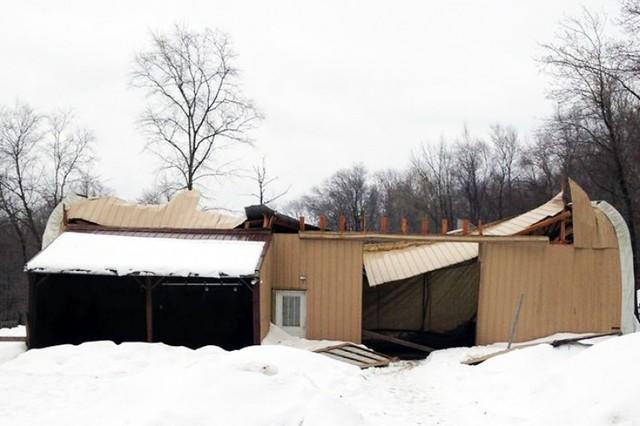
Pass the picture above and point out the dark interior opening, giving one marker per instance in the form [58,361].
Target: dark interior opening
[77,308]
[437,310]
[203,314]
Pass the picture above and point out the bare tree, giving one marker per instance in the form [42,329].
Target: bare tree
[68,155]
[471,172]
[20,135]
[434,167]
[196,107]
[505,158]
[161,192]
[347,192]
[263,182]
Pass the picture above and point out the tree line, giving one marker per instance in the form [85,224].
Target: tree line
[196,110]
[593,136]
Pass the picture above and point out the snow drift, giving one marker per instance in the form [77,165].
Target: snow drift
[102,383]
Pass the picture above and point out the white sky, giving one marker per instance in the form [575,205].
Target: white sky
[338,81]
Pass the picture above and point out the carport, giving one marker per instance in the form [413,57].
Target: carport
[190,288]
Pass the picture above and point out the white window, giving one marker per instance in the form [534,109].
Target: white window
[291,311]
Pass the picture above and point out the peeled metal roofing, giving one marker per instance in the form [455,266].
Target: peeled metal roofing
[181,212]
[392,264]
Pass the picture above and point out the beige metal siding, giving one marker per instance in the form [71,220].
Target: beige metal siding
[565,288]
[332,277]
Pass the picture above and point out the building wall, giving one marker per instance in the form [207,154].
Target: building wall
[565,288]
[266,273]
[333,284]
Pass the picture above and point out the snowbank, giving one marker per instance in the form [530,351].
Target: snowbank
[277,336]
[18,331]
[102,383]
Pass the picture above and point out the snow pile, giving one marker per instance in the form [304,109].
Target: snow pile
[122,254]
[277,336]
[102,383]
[17,331]
[10,350]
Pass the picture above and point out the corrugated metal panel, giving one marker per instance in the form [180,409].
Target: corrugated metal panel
[181,212]
[399,263]
[333,282]
[565,288]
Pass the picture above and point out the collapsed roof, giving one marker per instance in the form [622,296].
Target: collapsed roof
[388,262]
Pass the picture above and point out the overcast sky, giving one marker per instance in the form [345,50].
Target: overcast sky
[339,82]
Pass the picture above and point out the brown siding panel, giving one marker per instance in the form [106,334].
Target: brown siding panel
[334,283]
[566,289]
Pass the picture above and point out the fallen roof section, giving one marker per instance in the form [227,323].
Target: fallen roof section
[395,263]
[103,254]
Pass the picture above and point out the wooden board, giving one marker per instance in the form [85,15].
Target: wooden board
[356,355]
[554,343]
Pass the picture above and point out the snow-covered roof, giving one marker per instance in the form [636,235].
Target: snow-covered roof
[103,254]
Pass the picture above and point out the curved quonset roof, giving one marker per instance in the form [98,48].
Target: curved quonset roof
[386,263]
[113,254]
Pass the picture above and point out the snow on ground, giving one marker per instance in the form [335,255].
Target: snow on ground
[10,350]
[18,331]
[278,336]
[102,383]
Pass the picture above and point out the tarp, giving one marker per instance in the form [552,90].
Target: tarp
[103,254]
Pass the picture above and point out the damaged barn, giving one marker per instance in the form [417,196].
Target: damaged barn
[176,274]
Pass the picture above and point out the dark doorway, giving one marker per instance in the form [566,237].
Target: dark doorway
[203,314]
[77,308]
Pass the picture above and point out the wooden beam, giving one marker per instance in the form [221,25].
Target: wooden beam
[544,223]
[322,222]
[148,298]
[424,226]
[401,342]
[480,227]
[383,225]
[301,222]
[465,226]
[13,338]
[342,223]
[444,226]
[373,236]
[404,225]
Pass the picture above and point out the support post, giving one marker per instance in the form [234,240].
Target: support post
[404,225]
[342,223]
[148,298]
[465,226]
[444,226]
[480,228]
[302,223]
[383,225]
[424,226]
[322,222]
